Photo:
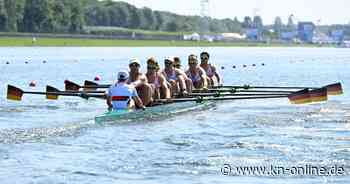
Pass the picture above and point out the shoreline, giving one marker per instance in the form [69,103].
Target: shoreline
[83,42]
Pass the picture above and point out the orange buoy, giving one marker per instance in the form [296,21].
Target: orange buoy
[97,78]
[32,84]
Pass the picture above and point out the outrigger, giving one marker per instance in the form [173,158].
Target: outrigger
[198,99]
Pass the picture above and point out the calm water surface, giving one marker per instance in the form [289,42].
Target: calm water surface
[45,141]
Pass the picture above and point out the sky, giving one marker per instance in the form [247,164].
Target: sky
[318,11]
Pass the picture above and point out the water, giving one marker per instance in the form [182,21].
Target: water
[58,142]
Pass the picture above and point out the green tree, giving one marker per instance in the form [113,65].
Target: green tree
[257,22]
[38,16]
[278,24]
[247,23]
[77,17]
[291,25]
[3,16]
[10,6]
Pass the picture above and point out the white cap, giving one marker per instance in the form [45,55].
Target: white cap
[123,75]
[135,60]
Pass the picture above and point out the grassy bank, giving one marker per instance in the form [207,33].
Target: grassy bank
[68,42]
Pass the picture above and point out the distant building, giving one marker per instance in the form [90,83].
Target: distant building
[306,31]
[194,37]
[288,35]
[337,35]
[253,34]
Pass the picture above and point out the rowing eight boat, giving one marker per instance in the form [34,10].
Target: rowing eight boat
[151,112]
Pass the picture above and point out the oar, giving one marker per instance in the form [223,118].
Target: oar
[14,93]
[332,89]
[71,86]
[74,87]
[218,94]
[233,90]
[201,99]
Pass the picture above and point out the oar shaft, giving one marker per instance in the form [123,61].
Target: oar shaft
[264,87]
[64,94]
[217,99]
[244,91]
[229,94]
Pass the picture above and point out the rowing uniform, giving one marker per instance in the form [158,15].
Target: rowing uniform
[197,76]
[121,94]
[210,71]
[156,81]
[172,76]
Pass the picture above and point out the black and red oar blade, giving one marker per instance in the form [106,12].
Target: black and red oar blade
[318,95]
[334,89]
[14,93]
[50,93]
[300,97]
[89,84]
[71,86]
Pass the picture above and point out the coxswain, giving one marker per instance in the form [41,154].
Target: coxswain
[175,77]
[139,81]
[123,96]
[210,70]
[196,73]
[157,80]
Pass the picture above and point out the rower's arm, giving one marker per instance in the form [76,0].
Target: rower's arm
[164,86]
[138,102]
[109,102]
[204,78]
[216,74]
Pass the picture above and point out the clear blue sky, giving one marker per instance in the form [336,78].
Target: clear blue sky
[327,11]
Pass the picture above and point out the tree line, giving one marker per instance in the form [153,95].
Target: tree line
[71,16]
[68,16]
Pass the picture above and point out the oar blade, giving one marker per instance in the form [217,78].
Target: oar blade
[49,95]
[89,85]
[71,86]
[14,93]
[300,97]
[334,89]
[318,95]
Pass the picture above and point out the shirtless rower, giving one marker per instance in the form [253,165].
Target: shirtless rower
[139,81]
[196,73]
[175,77]
[214,78]
[157,80]
[122,96]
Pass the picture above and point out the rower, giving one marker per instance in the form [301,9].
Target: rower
[175,77]
[122,95]
[196,73]
[139,81]
[177,63]
[214,78]
[157,80]
[188,81]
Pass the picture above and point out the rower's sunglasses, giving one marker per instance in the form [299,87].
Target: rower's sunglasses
[151,68]
[204,58]
[168,63]
[134,65]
